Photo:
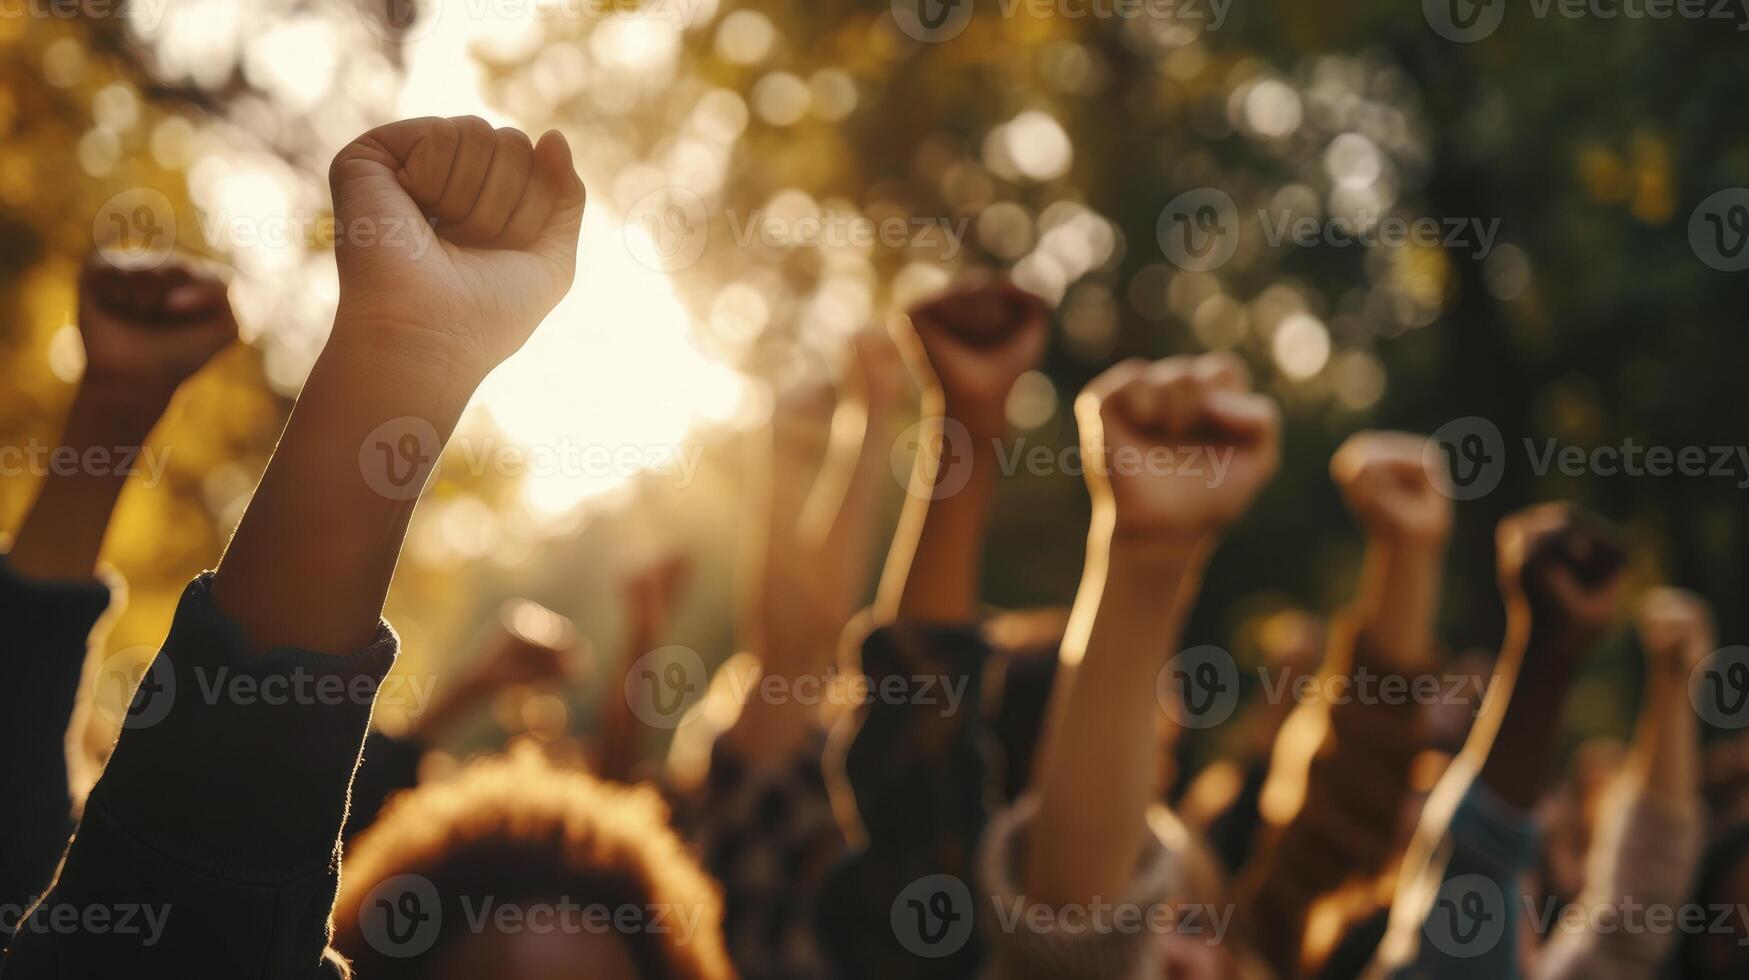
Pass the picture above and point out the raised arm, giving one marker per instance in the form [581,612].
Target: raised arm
[1153,528]
[1559,573]
[145,332]
[1350,782]
[816,566]
[421,322]
[966,349]
[223,801]
[1649,838]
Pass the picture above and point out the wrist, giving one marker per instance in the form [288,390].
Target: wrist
[986,420]
[1150,553]
[439,359]
[415,361]
[117,412]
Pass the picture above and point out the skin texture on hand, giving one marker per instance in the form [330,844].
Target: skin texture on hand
[145,331]
[1137,419]
[312,559]
[507,214]
[1151,534]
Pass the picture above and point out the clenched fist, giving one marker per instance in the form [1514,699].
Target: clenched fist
[1180,446]
[1398,491]
[971,345]
[1564,562]
[506,214]
[148,330]
[1676,631]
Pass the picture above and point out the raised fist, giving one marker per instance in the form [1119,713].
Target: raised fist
[506,214]
[972,344]
[1179,446]
[1676,631]
[1564,562]
[1396,488]
[147,330]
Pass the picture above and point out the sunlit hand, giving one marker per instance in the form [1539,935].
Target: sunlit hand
[1564,563]
[1397,490]
[1180,446]
[971,345]
[1676,631]
[507,216]
[148,330]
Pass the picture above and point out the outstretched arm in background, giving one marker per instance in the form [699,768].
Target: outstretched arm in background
[818,548]
[1152,531]
[145,332]
[1559,573]
[1350,784]
[1649,838]
[966,349]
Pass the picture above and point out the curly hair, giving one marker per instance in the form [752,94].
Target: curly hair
[516,830]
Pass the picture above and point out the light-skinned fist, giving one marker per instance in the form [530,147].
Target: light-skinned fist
[147,330]
[1676,631]
[971,344]
[1397,490]
[1179,447]
[506,213]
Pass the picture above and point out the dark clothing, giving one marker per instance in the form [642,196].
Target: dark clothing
[765,830]
[921,776]
[387,766]
[210,845]
[44,628]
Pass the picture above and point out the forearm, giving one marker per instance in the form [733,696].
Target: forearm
[1099,767]
[934,571]
[62,535]
[1665,756]
[1398,601]
[839,521]
[311,561]
[1525,710]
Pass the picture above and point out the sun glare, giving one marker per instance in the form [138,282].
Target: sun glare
[612,383]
